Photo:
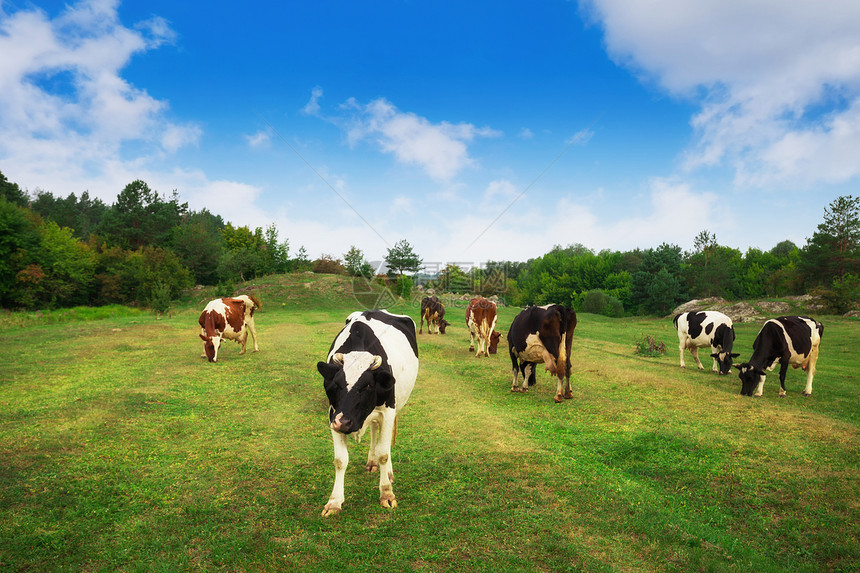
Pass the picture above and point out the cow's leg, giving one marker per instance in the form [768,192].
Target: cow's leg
[249,323]
[716,366]
[810,371]
[471,341]
[242,340]
[372,464]
[515,369]
[559,390]
[383,456]
[695,352]
[568,394]
[783,369]
[682,346]
[341,460]
[529,374]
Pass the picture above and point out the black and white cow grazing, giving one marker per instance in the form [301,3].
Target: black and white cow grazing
[787,340]
[368,377]
[542,334]
[707,329]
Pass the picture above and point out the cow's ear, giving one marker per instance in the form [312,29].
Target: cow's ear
[738,366]
[715,355]
[734,354]
[384,381]
[203,338]
[327,370]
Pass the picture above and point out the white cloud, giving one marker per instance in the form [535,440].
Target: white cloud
[259,139]
[313,106]
[67,116]
[503,189]
[765,68]
[526,133]
[439,149]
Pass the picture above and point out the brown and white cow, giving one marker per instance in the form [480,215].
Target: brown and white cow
[433,311]
[229,318]
[542,334]
[481,320]
[787,341]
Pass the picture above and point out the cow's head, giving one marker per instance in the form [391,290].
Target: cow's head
[211,344]
[355,385]
[494,341]
[443,324]
[750,378]
[724,360]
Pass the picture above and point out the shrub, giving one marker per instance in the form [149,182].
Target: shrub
[649,346]
[598,302]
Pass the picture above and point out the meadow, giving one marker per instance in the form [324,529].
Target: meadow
[122,450]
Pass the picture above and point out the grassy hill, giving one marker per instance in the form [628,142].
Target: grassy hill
[122,450]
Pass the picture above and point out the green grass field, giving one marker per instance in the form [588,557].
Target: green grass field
[122,450]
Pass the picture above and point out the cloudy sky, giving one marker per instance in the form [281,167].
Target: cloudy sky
[474,130]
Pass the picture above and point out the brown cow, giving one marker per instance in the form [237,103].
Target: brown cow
[481,320]
[433,311]
[228,318]
[542,334]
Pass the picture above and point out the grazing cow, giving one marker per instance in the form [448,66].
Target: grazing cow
[368,376]
[707,329]
[481,320]
[230,318]
[433,311]
[542,334]
[787,340]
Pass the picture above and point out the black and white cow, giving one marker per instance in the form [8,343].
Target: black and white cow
[707,329]
[368,377]
[787,340]
[542,334]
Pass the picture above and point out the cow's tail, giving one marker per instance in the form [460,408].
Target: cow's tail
[675,320]
[256,301]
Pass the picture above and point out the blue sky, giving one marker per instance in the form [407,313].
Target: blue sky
[474,130]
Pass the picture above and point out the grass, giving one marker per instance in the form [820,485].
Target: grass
[122,450]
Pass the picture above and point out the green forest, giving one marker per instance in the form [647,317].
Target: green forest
[147,248]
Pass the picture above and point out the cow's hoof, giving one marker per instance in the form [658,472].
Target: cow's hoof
[782,395]
[371,467]
[807,394]
[568,395]
[330,509]
[558,399]
[387,501]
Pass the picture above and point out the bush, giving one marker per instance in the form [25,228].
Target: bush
[649,346]
[598,302]
[403,287]
[328,265]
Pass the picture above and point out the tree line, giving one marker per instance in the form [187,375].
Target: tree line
[147,248]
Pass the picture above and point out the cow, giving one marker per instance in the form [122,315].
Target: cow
[542,334]
[481,320]
[787,340]
[230,318]
[433,311]
[368,376]
[706,329]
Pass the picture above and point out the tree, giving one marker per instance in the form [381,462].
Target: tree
[401,258]
[11,192]
[834,249]
[648,280]
[355,263]
[199,244]
[19,241]
[141,217]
